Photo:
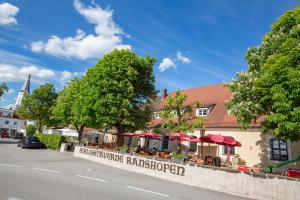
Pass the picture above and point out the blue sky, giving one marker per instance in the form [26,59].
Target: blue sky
[195,42]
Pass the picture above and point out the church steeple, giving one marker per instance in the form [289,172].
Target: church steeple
[26,86]
[24,91]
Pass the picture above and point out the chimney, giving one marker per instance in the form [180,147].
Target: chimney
[164,93]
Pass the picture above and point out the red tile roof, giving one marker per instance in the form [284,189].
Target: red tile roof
[211,95]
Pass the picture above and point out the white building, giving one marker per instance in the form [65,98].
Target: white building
[8,118]
[23,92]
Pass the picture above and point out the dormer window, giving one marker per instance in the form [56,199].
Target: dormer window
[156,115]
[202,111]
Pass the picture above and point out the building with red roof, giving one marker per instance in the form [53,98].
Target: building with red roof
[257,148]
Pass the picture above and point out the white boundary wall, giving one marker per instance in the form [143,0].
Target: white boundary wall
[222,181]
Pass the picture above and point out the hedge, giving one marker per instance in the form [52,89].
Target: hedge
[30,130]
[50,141]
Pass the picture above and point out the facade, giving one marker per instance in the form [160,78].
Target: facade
[257,149]
[8,119]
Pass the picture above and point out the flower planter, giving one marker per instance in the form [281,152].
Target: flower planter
[123,151]
[177,160]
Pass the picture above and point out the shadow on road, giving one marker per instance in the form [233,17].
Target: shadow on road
[8,141]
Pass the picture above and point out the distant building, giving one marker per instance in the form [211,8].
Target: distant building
[9,121]
[8,118]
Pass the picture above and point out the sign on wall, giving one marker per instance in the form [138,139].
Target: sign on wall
[150,164]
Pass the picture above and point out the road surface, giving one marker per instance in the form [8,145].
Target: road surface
[40,174]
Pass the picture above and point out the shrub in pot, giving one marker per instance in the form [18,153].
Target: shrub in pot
[124,149]
[177,157]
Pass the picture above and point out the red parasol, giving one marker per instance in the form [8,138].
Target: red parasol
[182,139]
[150,135]
[178,135]
[127,135]
[222,140]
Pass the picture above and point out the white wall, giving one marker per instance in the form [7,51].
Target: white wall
[222,181]
[63,131]
[13,123]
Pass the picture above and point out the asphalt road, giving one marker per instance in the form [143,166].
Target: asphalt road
[40,174]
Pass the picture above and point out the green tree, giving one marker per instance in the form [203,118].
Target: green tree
[270,87]
[31,130]
[3,89]
[73,108]
[179,116]
[37,106]
[120,87]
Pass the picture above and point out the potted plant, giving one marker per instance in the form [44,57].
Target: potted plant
[124,149]
[177,157]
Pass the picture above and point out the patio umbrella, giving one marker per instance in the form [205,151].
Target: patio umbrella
[178,137]
[221,140]
[230,141]
[148,136]
[130,135]
[182,139]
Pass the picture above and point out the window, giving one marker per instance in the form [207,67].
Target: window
[156,114]
[6,122]
[8,114]
[225,150]
[279,150]
[165,143]
[193,145]
[202,111]
[15,123]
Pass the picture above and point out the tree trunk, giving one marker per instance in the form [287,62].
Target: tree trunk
[79,131]
[39,127]
[120,139]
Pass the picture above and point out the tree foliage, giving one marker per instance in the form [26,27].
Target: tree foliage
[31,130]
[180,117]
[72,107]
[270,87]
[3,89]
[120,87]
[37,106]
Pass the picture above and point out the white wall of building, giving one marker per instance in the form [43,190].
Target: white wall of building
[63,131]
[12,123]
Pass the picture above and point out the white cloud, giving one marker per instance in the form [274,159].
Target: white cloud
[166,63]
[182,58]
[12,73]
[66,76]
[108,36]
[16,59]
[10,91]
[39,75]
[8,13]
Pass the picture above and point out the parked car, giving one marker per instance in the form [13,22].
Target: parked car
[4,134]
[17,135]
[30,142]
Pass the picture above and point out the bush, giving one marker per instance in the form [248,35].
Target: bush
[50,141]
[124,148]
[177,155]
[31,130]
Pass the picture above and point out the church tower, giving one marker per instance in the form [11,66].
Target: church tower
[25,90]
